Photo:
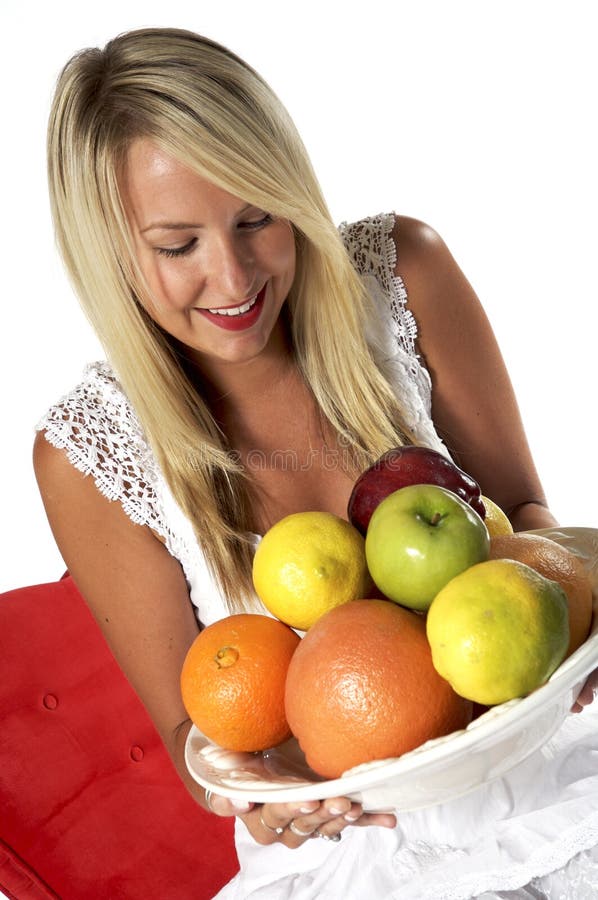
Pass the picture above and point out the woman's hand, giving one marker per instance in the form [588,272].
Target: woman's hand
[586,695]
[292,824]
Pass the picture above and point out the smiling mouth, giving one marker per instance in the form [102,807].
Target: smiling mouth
[235,310]
[240,317]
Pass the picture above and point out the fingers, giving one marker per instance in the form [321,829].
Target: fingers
[382,820]
[274,820]
[587,693]
[328,820]
[586,696]
[292,824]
[222,806]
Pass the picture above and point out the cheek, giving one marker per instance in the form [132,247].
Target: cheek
[283,255]
[170,287]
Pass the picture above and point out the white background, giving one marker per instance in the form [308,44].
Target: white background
[477,117]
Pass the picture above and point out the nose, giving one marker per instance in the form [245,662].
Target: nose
[230,269]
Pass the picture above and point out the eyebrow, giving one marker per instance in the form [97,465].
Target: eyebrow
[170,226]
[181,226]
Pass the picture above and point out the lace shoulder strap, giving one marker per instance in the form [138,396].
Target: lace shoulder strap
[371,246]
[97,427]
[392,329]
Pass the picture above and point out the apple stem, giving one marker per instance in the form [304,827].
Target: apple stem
[436,518]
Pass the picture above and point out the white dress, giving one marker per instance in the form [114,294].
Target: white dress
[530,834]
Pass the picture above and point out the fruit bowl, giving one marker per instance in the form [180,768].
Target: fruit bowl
[437,771]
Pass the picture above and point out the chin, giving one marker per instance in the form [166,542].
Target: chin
[236,353]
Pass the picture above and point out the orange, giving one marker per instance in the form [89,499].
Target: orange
[233,680]
[361,686]
[557,563]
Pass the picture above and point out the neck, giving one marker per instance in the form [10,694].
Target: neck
[231,389]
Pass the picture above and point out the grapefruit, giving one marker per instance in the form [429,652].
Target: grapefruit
[556,562]
[361,686]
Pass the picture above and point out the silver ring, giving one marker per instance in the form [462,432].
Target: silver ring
[276,830]
[328,837]
[208,796]
[297,831]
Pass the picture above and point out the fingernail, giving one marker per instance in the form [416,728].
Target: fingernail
[335,810]
[351,817]
[241,805]
[308,809]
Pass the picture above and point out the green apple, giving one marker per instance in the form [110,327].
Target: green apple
[419,538]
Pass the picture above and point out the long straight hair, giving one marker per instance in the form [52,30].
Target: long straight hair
[212,112]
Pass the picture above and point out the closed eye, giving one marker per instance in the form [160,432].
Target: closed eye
[259,223]
[171,252]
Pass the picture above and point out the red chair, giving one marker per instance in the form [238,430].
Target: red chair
[91,806]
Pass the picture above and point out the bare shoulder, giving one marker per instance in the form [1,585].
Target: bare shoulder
[71,496]
[45,454]
[53,469]
[418,244]
[67,494]
[413,233]
[90,528]
[434,282]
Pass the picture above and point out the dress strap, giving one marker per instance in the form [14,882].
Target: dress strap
[370,244]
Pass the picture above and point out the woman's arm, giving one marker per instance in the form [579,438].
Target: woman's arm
[135,589]
[473,403]
[138,595]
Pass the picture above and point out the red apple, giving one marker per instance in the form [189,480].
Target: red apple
[401,467]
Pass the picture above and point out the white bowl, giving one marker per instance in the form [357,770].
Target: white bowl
[436,772]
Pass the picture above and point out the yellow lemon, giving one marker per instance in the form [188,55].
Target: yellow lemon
[496,520]
[308,563]
[498,631]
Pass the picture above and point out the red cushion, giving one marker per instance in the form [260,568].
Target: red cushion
[90,802]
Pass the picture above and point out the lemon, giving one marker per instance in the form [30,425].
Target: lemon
[308,563]
[496,520]
[498,631]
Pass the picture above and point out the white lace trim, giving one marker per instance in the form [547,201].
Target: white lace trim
[542,873]
[102,436]
[371,246]
[577,880]
[392,331]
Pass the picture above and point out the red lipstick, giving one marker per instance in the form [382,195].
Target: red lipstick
[237,321]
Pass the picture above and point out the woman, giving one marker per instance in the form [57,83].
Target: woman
[240,321]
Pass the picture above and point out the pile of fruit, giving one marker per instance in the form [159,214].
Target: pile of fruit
[419,612]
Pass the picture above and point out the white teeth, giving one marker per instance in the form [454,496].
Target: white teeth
[235,310]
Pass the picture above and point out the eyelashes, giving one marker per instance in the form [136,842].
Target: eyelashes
[174,252]
[260,223]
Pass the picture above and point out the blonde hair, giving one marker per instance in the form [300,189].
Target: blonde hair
[210,110]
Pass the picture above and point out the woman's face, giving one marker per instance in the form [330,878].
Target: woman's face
[219,269]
